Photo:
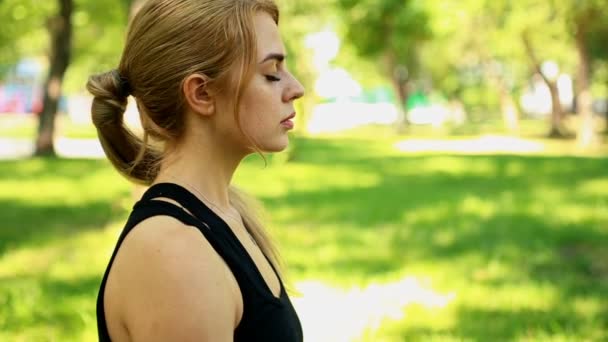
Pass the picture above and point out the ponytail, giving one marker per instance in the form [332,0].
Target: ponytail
[129,154]
[248,207]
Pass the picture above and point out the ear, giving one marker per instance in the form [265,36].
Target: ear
[198,95]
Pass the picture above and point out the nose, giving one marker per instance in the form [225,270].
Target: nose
[294,90]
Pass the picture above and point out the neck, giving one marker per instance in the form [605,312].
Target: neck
[201,165]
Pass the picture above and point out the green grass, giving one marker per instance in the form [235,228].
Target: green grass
[521,241]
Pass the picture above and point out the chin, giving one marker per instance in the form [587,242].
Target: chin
[275,146]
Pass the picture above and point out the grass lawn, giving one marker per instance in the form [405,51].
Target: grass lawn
[521,241]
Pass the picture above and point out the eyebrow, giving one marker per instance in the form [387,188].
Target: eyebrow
[276,56]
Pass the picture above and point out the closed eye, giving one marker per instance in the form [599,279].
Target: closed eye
[272,78]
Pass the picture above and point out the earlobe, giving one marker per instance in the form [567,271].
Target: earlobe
[197,94]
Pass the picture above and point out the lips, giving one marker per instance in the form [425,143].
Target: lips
[293,115]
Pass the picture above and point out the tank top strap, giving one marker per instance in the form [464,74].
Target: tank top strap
[178,194]
[194,205]
[150,208]
[144,210]
[217,232]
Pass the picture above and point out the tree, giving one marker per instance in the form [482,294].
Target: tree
[391,32]
[83,41]
[573,24]
[60,32]
[557,112]
[21,32]
[98,39]
[586,19]
[480,67]
[598,50]
[540,23]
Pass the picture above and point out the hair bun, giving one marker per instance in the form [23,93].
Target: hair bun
[124,87]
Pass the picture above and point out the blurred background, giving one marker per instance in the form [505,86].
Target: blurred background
[447,179]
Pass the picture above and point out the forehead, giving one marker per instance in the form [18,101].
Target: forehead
[267,35]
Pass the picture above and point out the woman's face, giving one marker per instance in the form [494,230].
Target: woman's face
[266,108]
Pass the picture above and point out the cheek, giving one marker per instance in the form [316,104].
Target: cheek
[259,107]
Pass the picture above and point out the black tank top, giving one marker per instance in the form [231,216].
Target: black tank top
[265,317]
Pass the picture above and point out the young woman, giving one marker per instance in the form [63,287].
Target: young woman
[192,263]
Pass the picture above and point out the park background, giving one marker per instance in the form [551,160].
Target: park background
[446,181]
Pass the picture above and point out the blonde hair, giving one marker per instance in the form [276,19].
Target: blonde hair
[167,41]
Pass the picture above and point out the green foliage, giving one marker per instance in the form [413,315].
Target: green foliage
[23,30]
[519,240]
[484,39]
[97,43]
[372,30]
[98,39]
[594,14]
[599,88]
[389,32]
[366,71]
[545,23]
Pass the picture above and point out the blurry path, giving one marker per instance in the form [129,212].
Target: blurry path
[11,148]
[482,144]
[498,144]
[15,148]
[333,315]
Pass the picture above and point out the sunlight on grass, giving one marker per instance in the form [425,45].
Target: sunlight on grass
[496,144]
[484,144]
[477,206]
[594,187]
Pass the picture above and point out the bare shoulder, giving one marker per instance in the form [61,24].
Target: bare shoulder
[167,283]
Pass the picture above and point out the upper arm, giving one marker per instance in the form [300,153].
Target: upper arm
[174,286]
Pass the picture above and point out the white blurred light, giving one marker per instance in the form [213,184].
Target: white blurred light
[565,90]
[484,144]
[342,115]
[325,46]
[550,69]
[336,83]
[434,114]
[347,315]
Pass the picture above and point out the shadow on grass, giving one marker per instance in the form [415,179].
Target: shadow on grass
[55,307]
[26,225]
[50,168]
[44,199]
[511,325]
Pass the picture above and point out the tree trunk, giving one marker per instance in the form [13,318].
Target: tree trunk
[399,79]
[586,134]
[605,113]
[402,94]
[557,113]
[60,29]
[510,114]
